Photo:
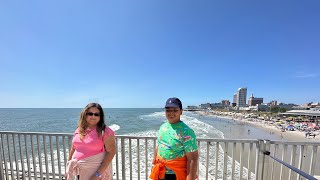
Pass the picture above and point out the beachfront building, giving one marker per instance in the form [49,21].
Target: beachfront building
[286,106]
[242,97]
[315,105]
[259,107]
[234,102]
[307,106]
[254,101]
[312,113]
[192,108]
[212,106]
[273,103]
[216,106]
[300,107]
[225,102]
[205,106]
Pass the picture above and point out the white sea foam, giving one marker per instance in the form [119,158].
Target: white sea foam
[114,127]
[202,129]
[155,114]
[150,133]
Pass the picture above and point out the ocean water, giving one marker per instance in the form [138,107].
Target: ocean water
[125,121]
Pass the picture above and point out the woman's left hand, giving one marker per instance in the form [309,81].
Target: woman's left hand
[94,177]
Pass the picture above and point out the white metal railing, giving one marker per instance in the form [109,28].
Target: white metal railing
[34,155]
[292,168]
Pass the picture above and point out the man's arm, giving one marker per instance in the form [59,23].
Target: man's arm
[192,164]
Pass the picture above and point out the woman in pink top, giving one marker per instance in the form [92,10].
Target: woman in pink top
[93,147]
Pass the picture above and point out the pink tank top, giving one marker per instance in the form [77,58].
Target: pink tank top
[91,144]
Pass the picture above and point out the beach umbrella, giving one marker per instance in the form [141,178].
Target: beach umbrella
[311,125]
[290,126]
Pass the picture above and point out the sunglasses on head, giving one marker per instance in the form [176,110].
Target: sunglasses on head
[91,114]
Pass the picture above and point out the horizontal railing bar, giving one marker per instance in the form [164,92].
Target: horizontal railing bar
[32,172]
[228,140]
[148,137]
[136,137]
[295,143]
[199,139]
[36,133]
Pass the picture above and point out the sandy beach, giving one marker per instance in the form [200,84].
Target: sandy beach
[271,128]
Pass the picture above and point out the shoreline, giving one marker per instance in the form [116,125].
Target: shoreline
[271,128]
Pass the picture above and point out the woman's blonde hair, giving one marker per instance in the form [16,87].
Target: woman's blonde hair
[82,123]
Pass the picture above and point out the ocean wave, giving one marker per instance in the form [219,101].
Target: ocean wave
[114,127]
[202,129]
[155,114]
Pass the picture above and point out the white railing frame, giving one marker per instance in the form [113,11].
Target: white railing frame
[47,155]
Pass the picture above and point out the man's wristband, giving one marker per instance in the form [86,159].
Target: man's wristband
[98,174]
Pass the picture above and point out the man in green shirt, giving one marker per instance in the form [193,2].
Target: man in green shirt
[177,140]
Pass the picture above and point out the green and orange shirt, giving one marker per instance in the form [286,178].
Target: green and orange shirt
[175,140]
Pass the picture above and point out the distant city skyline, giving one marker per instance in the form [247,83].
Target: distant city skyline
[249,101]
[129,54]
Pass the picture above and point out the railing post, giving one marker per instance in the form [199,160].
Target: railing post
[1,163]
[123,164]
[266,160]
[261,159]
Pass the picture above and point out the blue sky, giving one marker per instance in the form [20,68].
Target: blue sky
[139,53]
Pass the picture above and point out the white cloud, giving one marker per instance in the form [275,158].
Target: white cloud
[307,76]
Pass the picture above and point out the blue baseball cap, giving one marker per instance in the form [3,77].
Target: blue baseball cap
[173,102]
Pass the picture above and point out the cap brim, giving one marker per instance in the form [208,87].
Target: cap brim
[172,105]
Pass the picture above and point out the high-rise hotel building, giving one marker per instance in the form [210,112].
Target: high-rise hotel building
[242,97]
[254,101]
[235,99]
